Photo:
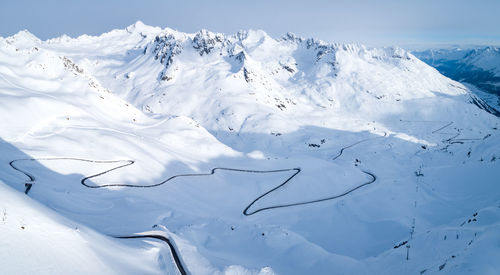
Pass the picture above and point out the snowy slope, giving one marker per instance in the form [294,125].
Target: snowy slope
[374,148]
[36,240]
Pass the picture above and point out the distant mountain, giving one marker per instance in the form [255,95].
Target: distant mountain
[246,154]
[479,67]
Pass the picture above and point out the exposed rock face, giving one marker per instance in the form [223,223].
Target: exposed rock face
[165,48]
[204,41]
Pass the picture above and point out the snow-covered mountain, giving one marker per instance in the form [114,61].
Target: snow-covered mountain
[330,158]
[477,66]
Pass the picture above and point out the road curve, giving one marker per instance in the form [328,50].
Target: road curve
[373,179]
[356,143]
[347,147]
[175,255]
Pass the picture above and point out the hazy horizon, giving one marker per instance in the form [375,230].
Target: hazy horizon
[383,23]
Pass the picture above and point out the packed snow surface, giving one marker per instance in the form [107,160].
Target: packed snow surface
[252,155]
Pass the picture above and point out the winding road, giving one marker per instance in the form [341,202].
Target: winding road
[356,143]
[246,211]
[454,139]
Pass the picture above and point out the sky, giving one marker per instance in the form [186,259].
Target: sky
[374,23]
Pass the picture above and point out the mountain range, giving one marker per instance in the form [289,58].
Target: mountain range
[479,67]
[249,154]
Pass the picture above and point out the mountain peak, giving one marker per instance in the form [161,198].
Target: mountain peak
[23,39]
[138,26]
